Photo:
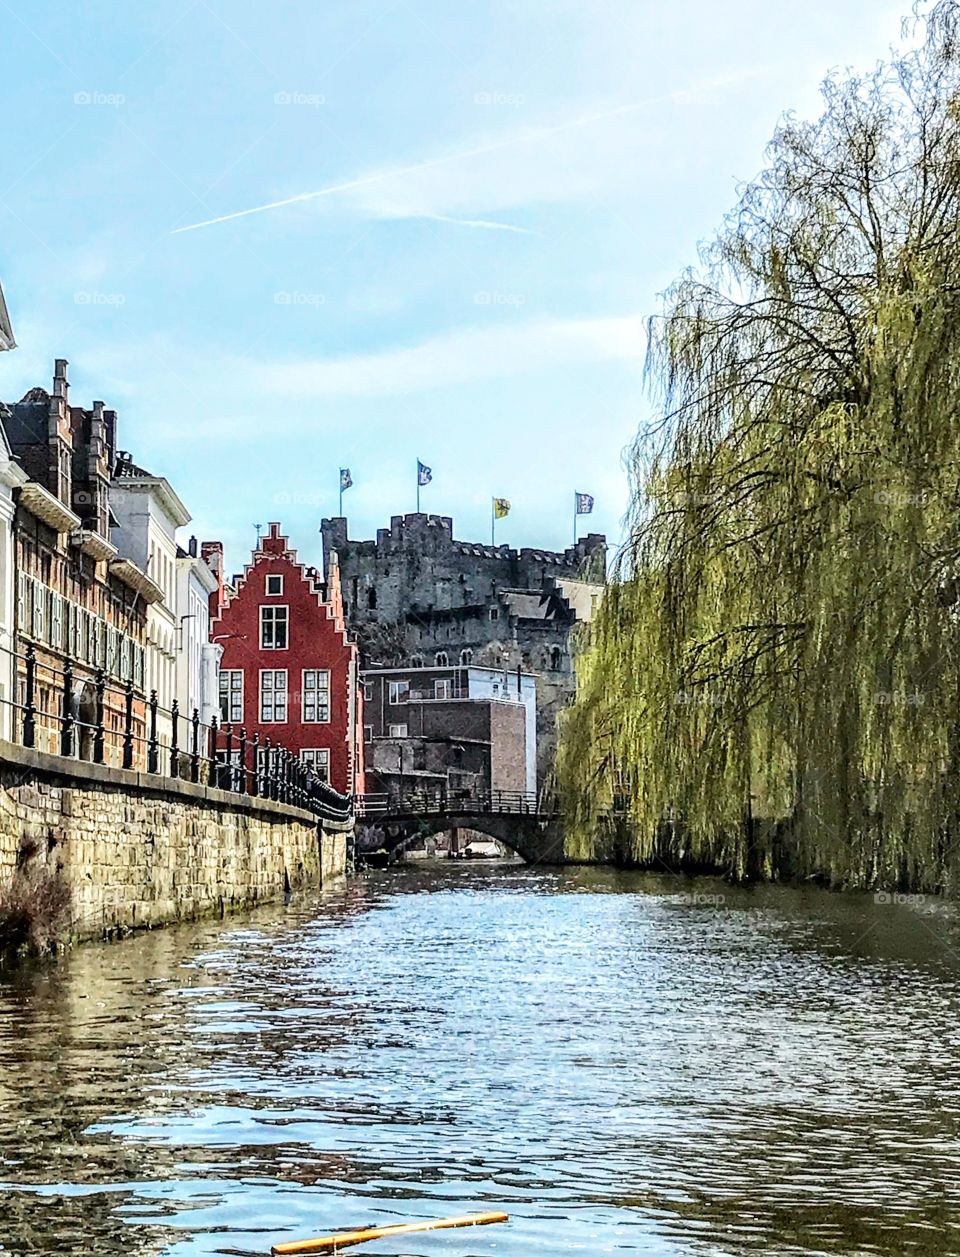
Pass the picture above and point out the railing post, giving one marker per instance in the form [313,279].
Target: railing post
[153,746]
[128,725]
[228,759]
[174,738]
[275,774]
[195,747]
[284,775]
[66,719]
[213,775]
[99,733]
[241,785]
[255,776]
[30,698]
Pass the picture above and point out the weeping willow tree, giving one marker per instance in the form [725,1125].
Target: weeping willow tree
[774,674]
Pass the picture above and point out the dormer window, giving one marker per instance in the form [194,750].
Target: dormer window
[274,586]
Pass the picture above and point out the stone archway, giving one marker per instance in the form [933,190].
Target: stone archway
[535,841]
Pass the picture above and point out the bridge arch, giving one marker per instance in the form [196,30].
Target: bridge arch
[534,840]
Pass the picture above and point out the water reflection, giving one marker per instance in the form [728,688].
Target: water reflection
[621,1061]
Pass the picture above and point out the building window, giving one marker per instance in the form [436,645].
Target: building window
[397,731]
[556,658]
[273,696]
[416,661]
[368,691]
[231,696]
[317,758]
[399,692]
[56,622]
[494,613]
[466,658]
[368,733]
[441,689]
[443,660]
[315,696]
[274,586]
[39,611]
[274,623]
[419,758]
[372,599]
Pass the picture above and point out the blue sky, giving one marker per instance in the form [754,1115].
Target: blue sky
[505,187]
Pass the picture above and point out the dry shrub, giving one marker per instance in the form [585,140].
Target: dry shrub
[34,912]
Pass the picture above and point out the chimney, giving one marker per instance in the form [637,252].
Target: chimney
[97,432]
[212,554]
[59,437]
[192,547]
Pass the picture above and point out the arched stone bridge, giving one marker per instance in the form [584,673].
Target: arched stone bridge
[520,821]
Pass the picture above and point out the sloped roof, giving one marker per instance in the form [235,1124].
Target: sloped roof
[527,605]
[127,468]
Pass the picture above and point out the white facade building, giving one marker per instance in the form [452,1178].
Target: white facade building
[11,477]
[517,687]
[6,330]
[148,514]
[198,659]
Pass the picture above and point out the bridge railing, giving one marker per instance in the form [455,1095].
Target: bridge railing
[440,801]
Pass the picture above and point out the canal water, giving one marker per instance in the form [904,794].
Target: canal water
[623,1063]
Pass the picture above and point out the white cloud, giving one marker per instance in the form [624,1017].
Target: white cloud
[460,357]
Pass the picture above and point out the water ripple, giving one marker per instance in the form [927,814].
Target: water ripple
[624,1063]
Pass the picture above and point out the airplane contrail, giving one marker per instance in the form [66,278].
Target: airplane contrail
[433,162]
[485,223]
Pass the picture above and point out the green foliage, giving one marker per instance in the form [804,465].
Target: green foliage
[780,639]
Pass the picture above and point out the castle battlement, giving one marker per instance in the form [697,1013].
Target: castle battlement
[433,535]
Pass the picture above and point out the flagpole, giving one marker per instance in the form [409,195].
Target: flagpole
[341,495]
[493,521]
[575,504]
[418,486]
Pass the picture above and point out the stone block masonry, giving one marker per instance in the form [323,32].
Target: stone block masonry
[138,851]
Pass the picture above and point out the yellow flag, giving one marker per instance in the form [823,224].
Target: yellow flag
[501,507]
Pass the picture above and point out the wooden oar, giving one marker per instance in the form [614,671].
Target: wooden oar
[329,1243]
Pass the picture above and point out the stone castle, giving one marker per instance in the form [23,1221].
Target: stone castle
[417,596]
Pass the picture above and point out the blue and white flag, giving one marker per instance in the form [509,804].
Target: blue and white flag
[584,504]
[346,480]
[424,473]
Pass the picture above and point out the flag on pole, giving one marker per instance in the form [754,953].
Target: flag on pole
[584,504]
[501,508]
[346,480]
[424,473]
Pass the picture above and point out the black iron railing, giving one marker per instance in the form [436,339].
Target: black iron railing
[441,801]
[80,714]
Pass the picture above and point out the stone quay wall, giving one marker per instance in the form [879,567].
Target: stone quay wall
[137,851]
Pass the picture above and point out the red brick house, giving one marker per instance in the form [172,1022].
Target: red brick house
[289,671]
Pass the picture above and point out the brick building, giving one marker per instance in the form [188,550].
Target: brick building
[420,597]
[289,671]
[76,597]
[462,732]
